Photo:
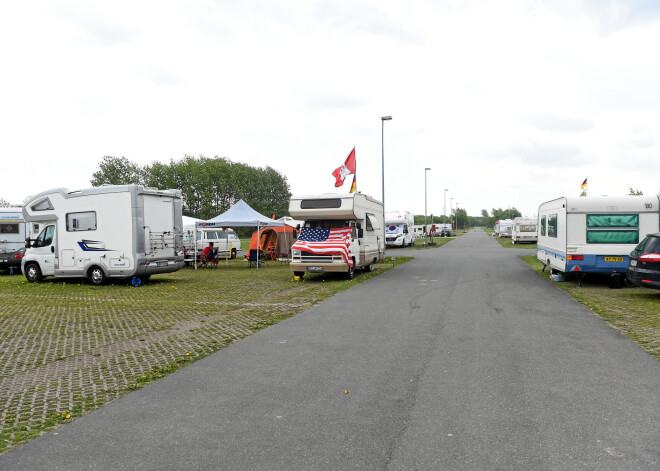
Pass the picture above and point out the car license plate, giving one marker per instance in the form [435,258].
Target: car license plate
[614,259]
[315,269]
[633,263]
[161,264]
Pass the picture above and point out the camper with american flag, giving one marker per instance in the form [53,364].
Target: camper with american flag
[341,232]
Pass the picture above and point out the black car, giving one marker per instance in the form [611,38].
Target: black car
[644,262]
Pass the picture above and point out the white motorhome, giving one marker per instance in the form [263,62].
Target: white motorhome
[594,234]
[524,231]
[504,227]
[399,229]
[341,232]
[226,242]
[13,232]
[114,231]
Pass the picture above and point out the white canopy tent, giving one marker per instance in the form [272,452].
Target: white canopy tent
[239,215]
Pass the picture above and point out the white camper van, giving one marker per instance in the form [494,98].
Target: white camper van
[504,227]
[13,232]
[226,242]
[399,229]
[594,234]
[523,231]
[340,233]
[111,231]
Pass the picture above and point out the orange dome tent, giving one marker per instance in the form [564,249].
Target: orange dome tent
[276,242]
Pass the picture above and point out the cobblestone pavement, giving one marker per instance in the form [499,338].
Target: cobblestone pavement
[68,348]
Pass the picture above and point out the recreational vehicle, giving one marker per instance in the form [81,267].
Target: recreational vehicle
[111,231]
[13,232]
[340,233]
[594,234]
[524,231]
[504,228]
[399,229]
[225,241]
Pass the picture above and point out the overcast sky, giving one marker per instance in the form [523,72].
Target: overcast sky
[509,102]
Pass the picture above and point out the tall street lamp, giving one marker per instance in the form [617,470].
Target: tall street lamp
[451,208]
[444,207]
[382,146]
[456,215]
[426,229]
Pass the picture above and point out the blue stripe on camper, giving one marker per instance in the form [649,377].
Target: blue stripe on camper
[550,251]
[597,264]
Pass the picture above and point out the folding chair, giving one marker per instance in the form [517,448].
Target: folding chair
[256,258]
[205,260]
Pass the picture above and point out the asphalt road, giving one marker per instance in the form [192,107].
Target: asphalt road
[463,359]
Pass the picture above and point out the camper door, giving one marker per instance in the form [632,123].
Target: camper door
[43,249]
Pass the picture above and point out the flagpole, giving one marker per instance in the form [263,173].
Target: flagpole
[382,147]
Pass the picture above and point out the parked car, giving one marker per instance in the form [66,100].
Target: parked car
[446,233]
[644,262]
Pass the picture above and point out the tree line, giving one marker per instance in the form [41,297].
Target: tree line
[209,186]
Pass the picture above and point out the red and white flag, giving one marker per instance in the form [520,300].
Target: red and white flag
[335,241]
[345,170]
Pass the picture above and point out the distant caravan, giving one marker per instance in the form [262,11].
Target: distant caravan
[524,231]
[114,231]
[594,234]
[399,229]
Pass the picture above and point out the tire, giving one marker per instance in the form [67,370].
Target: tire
[299,274]
[145,278]
[233,254]
[95,276]
[369,267]
[350,273]
[33,273]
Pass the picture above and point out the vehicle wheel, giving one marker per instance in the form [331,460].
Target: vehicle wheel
[145,278]
[299,274]
[233,254]
[95,276]
[369,267]
[33,273]
[350,273]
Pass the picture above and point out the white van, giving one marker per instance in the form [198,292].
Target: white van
[504,227]
[113,231]
[399,229]
[13,232]
[225,241]
[594,234]
[352,226]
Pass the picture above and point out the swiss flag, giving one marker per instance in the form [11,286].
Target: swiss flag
[345,170]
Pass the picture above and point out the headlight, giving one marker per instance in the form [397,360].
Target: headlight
[295,253]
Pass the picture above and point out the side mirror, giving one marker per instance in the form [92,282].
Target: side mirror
[27,243]
[358,225]
[298,226]
[360,232]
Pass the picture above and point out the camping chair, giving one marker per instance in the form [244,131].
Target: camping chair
[205,259]
[256,258]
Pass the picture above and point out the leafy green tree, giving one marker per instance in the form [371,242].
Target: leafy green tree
[117,171]
[633,192]
[4,203]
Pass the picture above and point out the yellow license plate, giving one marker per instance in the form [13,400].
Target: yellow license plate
[614,259]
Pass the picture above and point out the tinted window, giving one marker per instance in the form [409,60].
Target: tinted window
[7,228]
[612,237]
[552,225]
[542,225]
[612,220]
[653,245]
[84,221]
[322,203]
[45,238]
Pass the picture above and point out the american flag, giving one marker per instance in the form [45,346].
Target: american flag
[326,242]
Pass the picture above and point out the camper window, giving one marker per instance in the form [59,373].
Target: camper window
[42,205]
[612,237]
[321,203]
[542,225]
[81,221]
[612,220]
[552,225]
[372,223]
[8,228]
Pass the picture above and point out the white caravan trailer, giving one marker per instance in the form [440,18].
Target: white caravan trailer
[120,231]
[341,232]
[399,229]
[13,232]
[594,234]
[524,231]
[504,227]
[226,242]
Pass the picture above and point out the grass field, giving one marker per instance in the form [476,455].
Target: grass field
[67,348]
[634,311]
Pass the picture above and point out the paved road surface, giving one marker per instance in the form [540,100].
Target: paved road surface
[463,359]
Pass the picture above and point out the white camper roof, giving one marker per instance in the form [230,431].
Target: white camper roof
[606,204]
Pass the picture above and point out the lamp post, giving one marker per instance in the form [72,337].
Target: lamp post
[451,208]
[444,207]
[426,229]
[382,147]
